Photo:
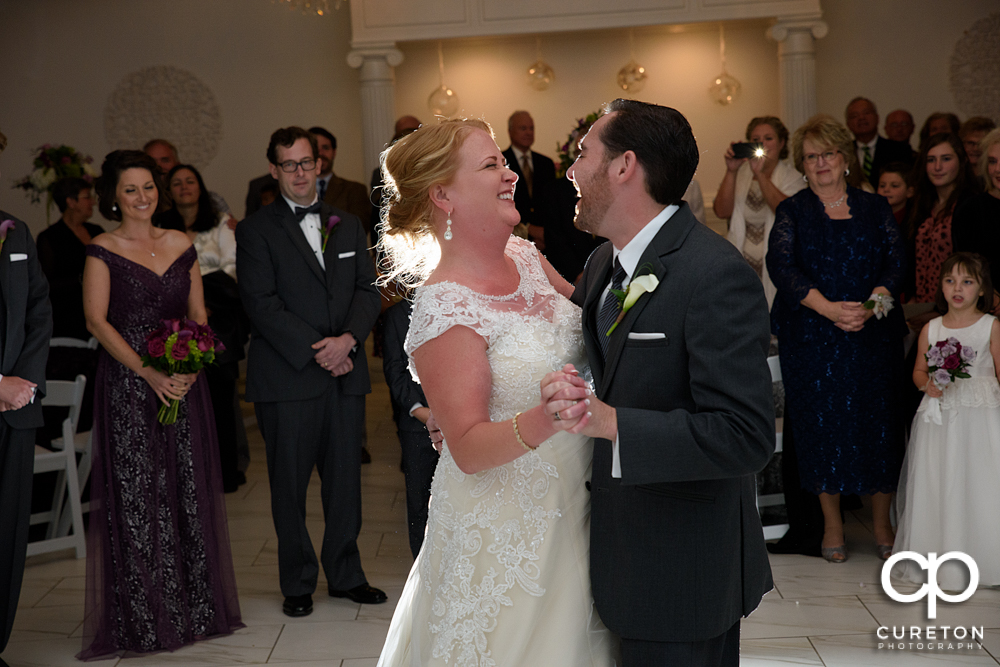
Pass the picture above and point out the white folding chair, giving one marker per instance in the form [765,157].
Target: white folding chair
[774,531]
[65,394]
[65,341]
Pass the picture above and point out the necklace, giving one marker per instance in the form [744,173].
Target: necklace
[151,253]
[836,203]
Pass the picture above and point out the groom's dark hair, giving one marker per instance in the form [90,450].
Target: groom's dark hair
[662,141]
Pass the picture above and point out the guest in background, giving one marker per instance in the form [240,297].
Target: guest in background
[159,566]
[873,151]
[268,193]
[339,192]
[939,123]
[976,223]
[536,174]
[899,126]
[971,133]
[410,412]
[833,247]
[26,324]
[194,214]
[62,254]
[254,191]
[893,185]
[166,157]
[61,251]
[404,125]
[943,179]
[751,191]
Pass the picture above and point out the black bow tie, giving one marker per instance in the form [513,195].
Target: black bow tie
[301,212]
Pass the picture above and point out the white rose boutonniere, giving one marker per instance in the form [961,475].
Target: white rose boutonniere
[636,288]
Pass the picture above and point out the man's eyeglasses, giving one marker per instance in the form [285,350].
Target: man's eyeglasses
[811,158]
[291,166]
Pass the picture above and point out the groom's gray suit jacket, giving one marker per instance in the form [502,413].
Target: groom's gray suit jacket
[677,550]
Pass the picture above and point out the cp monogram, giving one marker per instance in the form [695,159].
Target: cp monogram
[930,590]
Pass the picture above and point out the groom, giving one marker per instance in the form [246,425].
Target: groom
[683,412]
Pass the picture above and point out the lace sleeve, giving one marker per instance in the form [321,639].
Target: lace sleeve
[782,261]
[439,307]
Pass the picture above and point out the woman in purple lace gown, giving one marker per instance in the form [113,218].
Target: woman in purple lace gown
[159,568]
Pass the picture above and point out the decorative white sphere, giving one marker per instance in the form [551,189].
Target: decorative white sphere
[540,75]
[724,89]
[443,101]
[632,77]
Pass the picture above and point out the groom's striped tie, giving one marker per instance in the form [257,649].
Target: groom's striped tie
[609,309]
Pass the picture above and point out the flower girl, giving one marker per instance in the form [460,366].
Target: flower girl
[949,491]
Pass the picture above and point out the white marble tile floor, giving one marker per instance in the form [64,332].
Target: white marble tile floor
[819,614]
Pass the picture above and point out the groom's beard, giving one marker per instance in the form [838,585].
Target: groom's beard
[595,200]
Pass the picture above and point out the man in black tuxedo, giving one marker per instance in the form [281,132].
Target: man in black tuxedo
[25,330]
[874,151]
[308,290]
[682,410]
[534,196]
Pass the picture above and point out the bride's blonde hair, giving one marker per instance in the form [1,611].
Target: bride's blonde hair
[410,168]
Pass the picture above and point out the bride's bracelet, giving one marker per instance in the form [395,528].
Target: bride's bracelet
[517,434]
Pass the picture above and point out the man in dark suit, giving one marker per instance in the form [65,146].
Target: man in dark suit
[25,330]
[410,411]
[874,151]
[308,290]
[682,410]
[534,196]
[338,192]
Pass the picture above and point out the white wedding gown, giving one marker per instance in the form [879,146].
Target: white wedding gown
[503,576]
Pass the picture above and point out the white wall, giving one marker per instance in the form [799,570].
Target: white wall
[268,67]
[895,52]
[490,77]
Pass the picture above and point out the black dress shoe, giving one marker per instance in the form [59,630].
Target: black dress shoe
[364,594]
[298,605]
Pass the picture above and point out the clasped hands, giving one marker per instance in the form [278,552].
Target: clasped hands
[332,354]
[567,399]
[848,315]
[15,392]
[168,387]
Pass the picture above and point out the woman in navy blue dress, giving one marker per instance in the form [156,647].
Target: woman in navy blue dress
[832,247]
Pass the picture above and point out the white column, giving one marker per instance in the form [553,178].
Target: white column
[378,97]
[797,67]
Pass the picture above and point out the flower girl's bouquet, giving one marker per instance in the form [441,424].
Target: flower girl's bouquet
[180,346]
[947,362]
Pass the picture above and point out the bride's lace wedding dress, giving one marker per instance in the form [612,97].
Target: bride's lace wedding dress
[503,576]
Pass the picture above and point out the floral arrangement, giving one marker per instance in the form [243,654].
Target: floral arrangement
[569,150]
[636,288]
[52,163]
[180,346]
[328,230]
[948,360]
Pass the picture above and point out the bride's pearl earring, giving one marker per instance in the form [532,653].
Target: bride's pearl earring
[447,231]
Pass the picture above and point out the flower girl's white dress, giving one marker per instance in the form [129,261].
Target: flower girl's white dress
[950,485]
[503,576]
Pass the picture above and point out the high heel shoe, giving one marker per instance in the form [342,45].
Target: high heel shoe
[884,551]
[835,554]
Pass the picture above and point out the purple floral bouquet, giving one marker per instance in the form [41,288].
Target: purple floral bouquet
[180,346]
[948,360]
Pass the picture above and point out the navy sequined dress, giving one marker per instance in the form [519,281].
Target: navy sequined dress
[842,387]
[159,568]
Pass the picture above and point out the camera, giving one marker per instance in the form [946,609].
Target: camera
[746,149]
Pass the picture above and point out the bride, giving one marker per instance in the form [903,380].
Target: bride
[503,575]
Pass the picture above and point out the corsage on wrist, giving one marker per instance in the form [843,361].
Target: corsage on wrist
[879,304]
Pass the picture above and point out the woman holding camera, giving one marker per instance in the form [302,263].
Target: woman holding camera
[752,189]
